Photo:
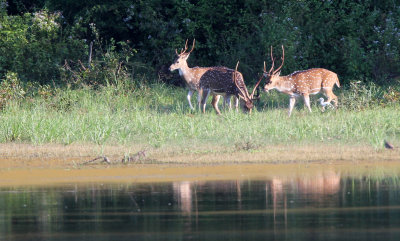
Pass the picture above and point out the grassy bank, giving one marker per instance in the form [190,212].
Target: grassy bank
[157,116]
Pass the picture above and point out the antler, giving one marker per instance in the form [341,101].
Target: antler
[194,41]
[273,63]
[183,51]
[255,87]
[272,71]
[244,94]
[283,61]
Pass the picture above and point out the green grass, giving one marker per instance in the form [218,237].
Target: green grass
[158,116]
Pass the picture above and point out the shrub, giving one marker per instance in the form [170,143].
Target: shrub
[110,67]
[33,46]
[10,89]
[360,96]
[357,40]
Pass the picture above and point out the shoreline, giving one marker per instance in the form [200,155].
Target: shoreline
[25,164]
[179,173]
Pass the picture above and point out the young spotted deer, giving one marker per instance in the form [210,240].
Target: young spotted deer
[192,76]
[302,83]
[218,83]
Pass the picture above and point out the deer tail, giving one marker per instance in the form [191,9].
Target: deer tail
[337,82]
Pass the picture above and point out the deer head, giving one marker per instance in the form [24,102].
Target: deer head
[181,57]
[247,101]
[272,76]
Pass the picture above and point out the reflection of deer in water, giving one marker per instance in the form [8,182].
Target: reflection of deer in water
[183,192]
[277,194]
[320,184]
[315,187]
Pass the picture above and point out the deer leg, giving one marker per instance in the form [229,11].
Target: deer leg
[227,102]
[292,101]
[331,97]
[335,100]
[189,96]
[204,99]
[214,103]
[307,102]
[236,103]
[199,97]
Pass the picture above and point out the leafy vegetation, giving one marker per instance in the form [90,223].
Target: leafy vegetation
[359,40]
[69,74]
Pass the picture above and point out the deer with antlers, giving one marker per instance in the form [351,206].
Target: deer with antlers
[193,76]
[302,83]
[218,83]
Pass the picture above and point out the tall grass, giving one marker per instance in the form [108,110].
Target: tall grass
[157,115]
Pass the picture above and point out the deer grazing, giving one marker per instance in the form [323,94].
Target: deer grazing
[193,76]
[218,83]
[301,83]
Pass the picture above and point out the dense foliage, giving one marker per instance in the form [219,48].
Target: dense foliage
[47,41]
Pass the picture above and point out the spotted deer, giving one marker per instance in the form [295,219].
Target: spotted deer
[301,83]
[193,76]
[218,83]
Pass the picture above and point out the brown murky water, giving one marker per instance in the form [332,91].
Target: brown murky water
[348,201]
[337,195]
[147,173]
[324,205]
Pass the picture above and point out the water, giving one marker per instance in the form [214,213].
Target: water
[320,207]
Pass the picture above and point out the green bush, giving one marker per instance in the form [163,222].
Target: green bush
[33,46]
[10,89]
[357,40]
[109,68]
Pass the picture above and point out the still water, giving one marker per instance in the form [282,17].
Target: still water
[325,206]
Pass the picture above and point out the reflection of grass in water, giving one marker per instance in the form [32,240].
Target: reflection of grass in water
[369,182]
[370,179]
[159,116]
[384,175]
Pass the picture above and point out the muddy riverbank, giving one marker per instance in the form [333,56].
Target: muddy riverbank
[24,164]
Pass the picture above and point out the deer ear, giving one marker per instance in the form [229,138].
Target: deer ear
[279,73]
